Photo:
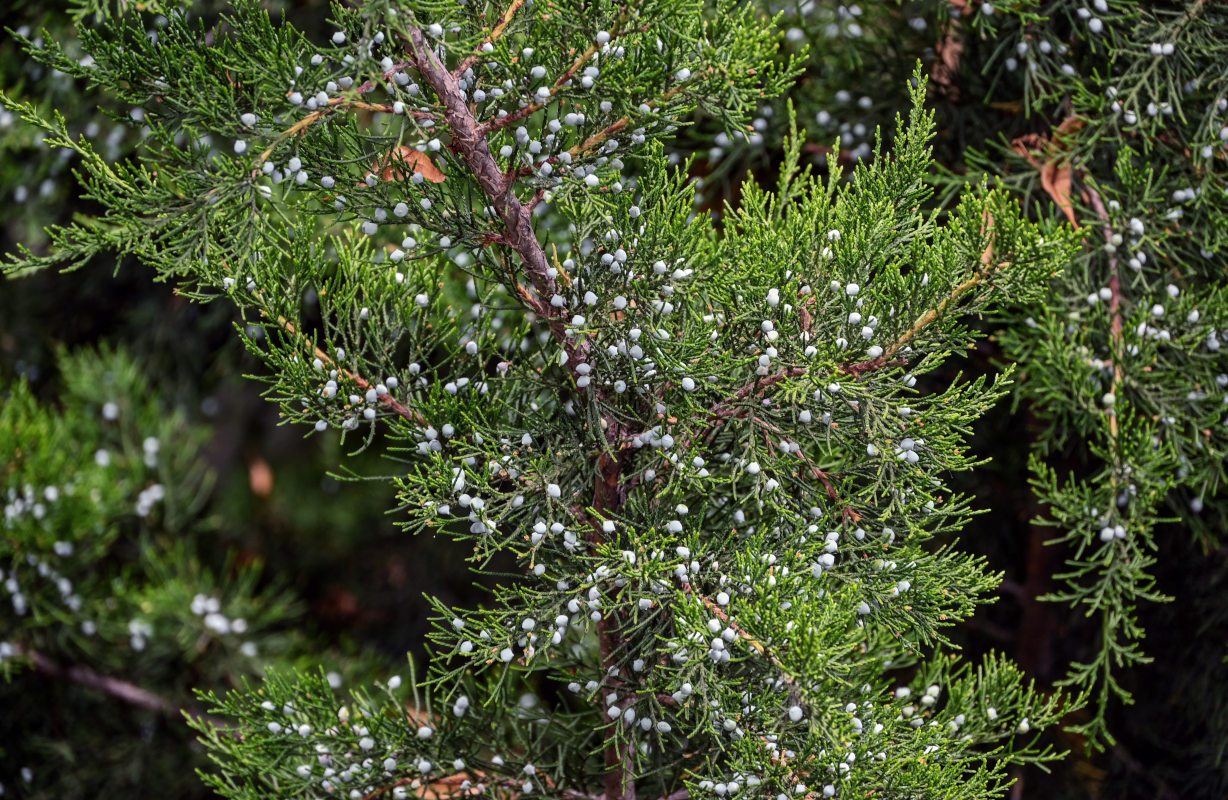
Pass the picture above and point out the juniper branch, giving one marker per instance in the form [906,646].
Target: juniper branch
[470,142]
[508,16]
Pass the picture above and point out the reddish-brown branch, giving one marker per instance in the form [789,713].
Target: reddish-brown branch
[728,408]
[609,495]
[537,198]
[469,141]
[823,476]
[862,367]
[387,74]
[725,410]
[723,616]
[720,412]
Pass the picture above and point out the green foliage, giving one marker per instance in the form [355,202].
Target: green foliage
[1112,115]
[113,599]
[719,452]
[675,433]
[1123,357]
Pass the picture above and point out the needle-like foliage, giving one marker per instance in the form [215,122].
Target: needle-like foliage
[706,451]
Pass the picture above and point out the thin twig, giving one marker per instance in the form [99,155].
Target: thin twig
[559,83]
[452,786]
[120,689]
[494,37]
[1116,330]
[727,408]
[609,497]
[599,137]
[936,312]
[822,475]
[130,693]
[718,413]
[888,357]
[334,104]
[387,400]
[758,647]
[987,269]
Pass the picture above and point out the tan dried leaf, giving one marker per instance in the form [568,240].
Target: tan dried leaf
[946,66]
[260,477]
[402,162]
[1056,173]
[987,227]
[1055,179]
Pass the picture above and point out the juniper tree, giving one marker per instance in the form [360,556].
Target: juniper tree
[705,450]
[1124,358]
[116,604]
[1110,115]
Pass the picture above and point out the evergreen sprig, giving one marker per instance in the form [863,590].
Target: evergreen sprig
[1124,358]
[115,606]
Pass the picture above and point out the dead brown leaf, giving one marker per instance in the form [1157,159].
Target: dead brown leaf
[1055,179]
[946,66]
[402,162]
[1027,146]
[1056,173]
[260,477]
[1068,128]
